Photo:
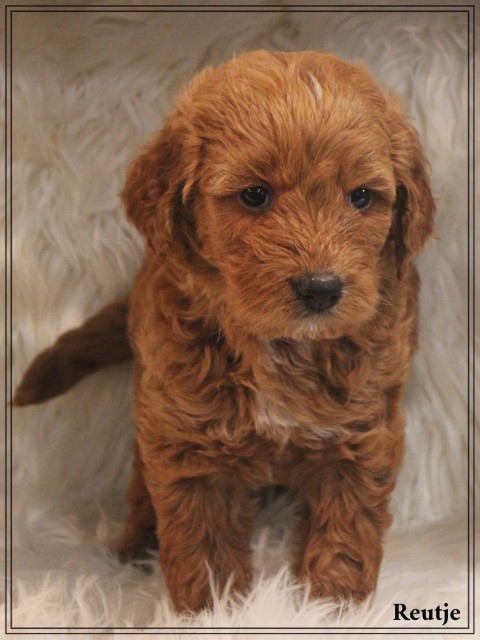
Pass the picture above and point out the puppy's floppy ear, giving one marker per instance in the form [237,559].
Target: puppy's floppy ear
[414,208]
[152,188]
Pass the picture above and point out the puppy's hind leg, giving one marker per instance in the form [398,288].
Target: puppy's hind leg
[139,534]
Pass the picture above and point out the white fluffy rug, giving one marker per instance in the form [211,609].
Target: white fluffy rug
[88,88]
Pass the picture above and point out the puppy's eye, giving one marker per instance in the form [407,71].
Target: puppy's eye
[255,197]
[360,198]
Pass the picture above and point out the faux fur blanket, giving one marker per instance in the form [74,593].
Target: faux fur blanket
[88,88]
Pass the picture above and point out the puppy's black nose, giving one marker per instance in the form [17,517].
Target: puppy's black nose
[318,291]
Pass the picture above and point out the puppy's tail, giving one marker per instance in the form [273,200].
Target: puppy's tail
[101,341]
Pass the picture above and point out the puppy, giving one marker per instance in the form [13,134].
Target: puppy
[274,318]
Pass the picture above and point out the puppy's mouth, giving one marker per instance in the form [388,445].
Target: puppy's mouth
[319,306]
[316,325]
[335,316]
[309,320]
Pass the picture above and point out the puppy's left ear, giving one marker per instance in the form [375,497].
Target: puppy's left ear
[414,207]
[149,195]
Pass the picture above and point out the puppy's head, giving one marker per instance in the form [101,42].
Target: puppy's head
[297,181]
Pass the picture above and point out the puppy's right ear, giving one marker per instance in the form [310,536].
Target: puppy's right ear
[152,187]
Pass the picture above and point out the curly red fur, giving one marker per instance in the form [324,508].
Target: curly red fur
[236,385]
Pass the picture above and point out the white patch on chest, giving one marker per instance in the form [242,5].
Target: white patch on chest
[269,415]
[278,423]
[274,419]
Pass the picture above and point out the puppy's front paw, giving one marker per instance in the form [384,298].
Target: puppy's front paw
[338,578]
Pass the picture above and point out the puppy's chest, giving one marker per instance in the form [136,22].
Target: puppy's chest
[303,394]
[283,417]
[279,420]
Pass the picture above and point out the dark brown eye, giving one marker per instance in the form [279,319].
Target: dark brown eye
[255,197]
[360,198]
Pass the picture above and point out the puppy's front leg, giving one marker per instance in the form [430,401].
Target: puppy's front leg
[204,522]
[346,492]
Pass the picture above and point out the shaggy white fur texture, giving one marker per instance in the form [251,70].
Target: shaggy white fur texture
[87,90]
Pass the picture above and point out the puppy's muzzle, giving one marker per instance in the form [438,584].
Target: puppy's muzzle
[318,291]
